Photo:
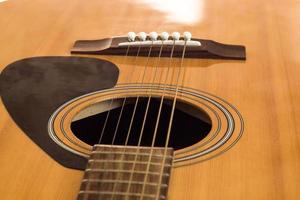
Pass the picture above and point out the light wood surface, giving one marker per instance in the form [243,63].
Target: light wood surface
[265,164]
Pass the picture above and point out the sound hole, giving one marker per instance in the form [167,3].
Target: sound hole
[190,124]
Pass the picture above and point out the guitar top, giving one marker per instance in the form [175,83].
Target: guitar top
[149,100]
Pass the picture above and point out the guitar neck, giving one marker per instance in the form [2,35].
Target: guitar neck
[127,172]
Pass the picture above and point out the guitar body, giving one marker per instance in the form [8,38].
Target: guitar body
[264,161]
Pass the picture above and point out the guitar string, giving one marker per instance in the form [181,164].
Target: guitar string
[121,114]
[110,105]
[141,133]
[157,123]
[125,98]
[138,96]
[131,122]
[156,64]
[171,120]
[129,130]
[105,122]
[123,101]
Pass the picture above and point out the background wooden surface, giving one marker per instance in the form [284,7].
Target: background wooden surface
[265,164]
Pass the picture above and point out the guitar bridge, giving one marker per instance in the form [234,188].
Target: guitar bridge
[140,45]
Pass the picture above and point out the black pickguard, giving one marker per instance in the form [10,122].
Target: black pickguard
[33,88]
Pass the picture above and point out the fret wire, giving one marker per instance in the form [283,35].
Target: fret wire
[122,182]
[93,174]
[114,166]
[126,161]
[131,166]
[129,153]
[131,150]
[118,193]
[124,171]
[129,146]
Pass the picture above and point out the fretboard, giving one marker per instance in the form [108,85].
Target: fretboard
[129,173]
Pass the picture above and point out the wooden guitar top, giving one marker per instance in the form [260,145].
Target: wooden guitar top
[263,164]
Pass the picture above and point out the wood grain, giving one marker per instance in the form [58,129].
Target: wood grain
[265,164]
[129,172]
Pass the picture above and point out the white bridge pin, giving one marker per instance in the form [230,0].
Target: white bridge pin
[144,40]
[176,36]
[131,36]
[164,36]
[142,36]
[187,36]
[153,36]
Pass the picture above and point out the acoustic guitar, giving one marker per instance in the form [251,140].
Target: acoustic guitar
[149,100]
